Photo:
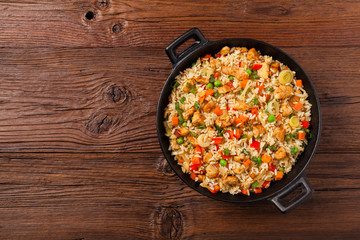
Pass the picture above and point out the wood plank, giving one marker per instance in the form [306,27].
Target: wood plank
[143,23]
[90,100]
[73,196]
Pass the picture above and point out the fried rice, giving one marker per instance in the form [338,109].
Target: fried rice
[237,121]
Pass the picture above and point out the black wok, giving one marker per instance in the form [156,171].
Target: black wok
[278,190]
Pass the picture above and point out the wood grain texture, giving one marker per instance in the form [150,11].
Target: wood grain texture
[79,155]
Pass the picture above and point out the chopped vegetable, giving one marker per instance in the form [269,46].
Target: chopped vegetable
[287,137]
[231,133]
[299,83]
[197,105]
[271,118]
[231,78]
[184,124]
[209,92]
[258,190]
[301,135]
[216,94]
[209,86]
[255,76]
[193,176]
[293,150]
[255,184]
[180,140]
[217,140]
[175,121]
[247,163]
[217,83]
[243,83]
[202,126]
[255,144]
[196,161]
[260,86]
[183,99]
[218,111]
[198,149]
[193,167]
[256,66]
[281,169]
[256,159]
[294,122]
[230,84]
[270,89]
[279,175]
[237,133]
[265,184]
[216,189]
[181,118]
[286,76]
[255,101]
[278,117]
[246,152]
[212,79]
[249,71]
[305,124]
[223,162]
[174,84]
[271,167]
[217,74]
[245,191]
[226,152]
[266,158]
[297,106]
[254,111]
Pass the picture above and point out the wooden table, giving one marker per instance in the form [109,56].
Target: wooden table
[79,155]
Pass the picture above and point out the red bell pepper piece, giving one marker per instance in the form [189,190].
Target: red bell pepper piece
[266,184]
[231,134]
[256,66]
[230,84]
[217,140]
[237,133]
[255,144]
[260,86]
[206,57]
[193,176]
[254,111]
[196,161]
[258,190]
[239,64]
[193,168]
[198,149]
[305,124]
[218,55]
[224,156]
[271,167]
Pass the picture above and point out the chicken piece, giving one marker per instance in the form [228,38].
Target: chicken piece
[263,72]
[201,178]
[242,106]
[286,110]
[239,170]
[224,89]
[294,99]
[189,112]
[211,171]
[279,133]
[211,132]
[202,80]
[207,157]
[258,130]
[215,63]
[184,131]
[242,49]
[237,72]
[188,84]
[239,158]
[252,54]
[225,50]
[231,180]
[208,106]
[283,92]
[274,67]
[198,119]
[280,153]
[223,121]
[192,140]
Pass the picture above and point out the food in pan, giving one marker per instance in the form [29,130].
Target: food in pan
[237,121]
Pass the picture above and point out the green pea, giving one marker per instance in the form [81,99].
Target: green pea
[180,141]
[231,78]
[293,150]
[184,124]
[217,83]
[248,71]
[271,118]
[223,162]
[216,94]
[255,101]
[210,86]
[212,79]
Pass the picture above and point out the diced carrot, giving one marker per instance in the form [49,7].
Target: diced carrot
[231,133]
[301,135]
[201,99]
[243,118]
[266,158]
[279,175]
[237,133]
[267,97]
[175,121]
[193,176]
[217,74]
[299,83]
[258,190]
[243,83]
[209,92]
[245,191]
[254,111]
[217,165]
[237,120]
[218,111]
[247,163]
[206,57]
[196,161]
[230,84]
[297,106]
[217,140]
[278,117]
[216,189]
[260,86]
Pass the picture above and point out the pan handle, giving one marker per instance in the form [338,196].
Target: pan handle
[306,192]
[193,33]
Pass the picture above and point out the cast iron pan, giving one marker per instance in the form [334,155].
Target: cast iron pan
[278,189]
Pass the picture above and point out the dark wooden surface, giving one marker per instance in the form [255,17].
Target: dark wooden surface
[79,155]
